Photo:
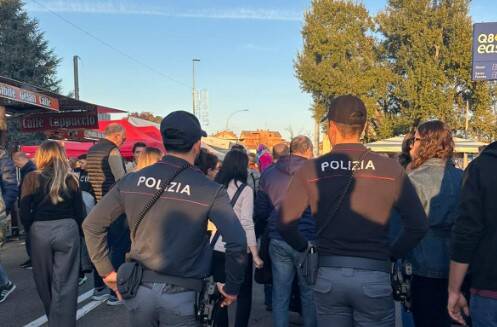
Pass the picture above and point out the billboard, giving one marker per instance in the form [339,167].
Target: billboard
[484,52]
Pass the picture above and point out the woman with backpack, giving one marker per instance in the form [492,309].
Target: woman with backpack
[233,175]
[52,207]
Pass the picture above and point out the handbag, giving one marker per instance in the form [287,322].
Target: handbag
[129,274]
[309,264]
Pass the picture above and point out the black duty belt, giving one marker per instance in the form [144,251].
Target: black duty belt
[355,262]
[150,276]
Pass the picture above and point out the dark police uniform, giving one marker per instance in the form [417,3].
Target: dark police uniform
[172,238]
[353,285]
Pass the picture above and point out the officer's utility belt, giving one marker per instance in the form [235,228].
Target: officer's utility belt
[132,274]
[334,261]
[193,284]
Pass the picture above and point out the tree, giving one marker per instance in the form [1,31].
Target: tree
[147,116]
[340,57]
[25,56]
[24,52]
[427,44]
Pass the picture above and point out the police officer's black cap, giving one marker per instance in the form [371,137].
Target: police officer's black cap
[346,109]
[181,129]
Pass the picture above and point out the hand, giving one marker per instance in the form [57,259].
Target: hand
[111,282]
[258,262]
[457,302]
[227,299]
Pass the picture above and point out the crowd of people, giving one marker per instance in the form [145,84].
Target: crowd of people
[320,233]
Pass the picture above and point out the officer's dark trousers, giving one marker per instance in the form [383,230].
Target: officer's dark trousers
[429,302]
[161,305]
[348,297]
[244,300]
[55,259]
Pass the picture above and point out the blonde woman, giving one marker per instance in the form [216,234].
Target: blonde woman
[148,157]
[52,210]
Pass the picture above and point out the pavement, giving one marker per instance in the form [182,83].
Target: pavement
[23,307]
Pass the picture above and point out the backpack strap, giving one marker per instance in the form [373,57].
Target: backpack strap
[234,199]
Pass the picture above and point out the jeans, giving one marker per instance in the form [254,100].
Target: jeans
[119,243]
[347,297]
[429,302]
[483,311]
[285,261]
[4,279]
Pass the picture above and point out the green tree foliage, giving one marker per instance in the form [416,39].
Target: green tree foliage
[24,52]
[414,64]
[25,56]
[340,57]
[147,116]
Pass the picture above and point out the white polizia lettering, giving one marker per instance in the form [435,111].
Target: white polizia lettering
[347,165]
[173,187]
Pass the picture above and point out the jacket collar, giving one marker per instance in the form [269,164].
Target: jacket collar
[435,162]
[344,147]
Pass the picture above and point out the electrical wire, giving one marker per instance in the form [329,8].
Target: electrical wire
[110,46]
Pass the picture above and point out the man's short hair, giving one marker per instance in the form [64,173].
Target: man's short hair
[83,157]
[19,156]
[301,144]
[138,145]
[113,128]
[280,150]
[350,130]
[184,148]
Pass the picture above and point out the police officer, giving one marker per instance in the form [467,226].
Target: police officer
[352,192]
[171,242]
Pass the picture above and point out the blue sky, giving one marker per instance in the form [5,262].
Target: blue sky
[246,48]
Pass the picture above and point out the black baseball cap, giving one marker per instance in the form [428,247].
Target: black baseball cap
[181,129]
[346,109]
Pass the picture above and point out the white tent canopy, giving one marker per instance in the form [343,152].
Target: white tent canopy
[394,144]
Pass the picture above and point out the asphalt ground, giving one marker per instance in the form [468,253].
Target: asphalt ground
[24,308]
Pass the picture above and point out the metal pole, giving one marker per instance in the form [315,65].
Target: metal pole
[466,127]
[231,115]
[76,77]
[193,84]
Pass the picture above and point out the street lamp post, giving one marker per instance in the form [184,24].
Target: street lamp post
[194,60]
[231,115]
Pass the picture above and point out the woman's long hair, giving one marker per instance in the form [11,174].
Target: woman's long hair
[436,142]
[51,157]
[235,167]
[148,157]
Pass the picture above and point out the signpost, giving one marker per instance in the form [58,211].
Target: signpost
[484,52]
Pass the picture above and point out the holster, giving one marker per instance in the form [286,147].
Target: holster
[309,265]
[206,303]
[129,278]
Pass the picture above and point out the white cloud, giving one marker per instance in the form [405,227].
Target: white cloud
[127,8]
